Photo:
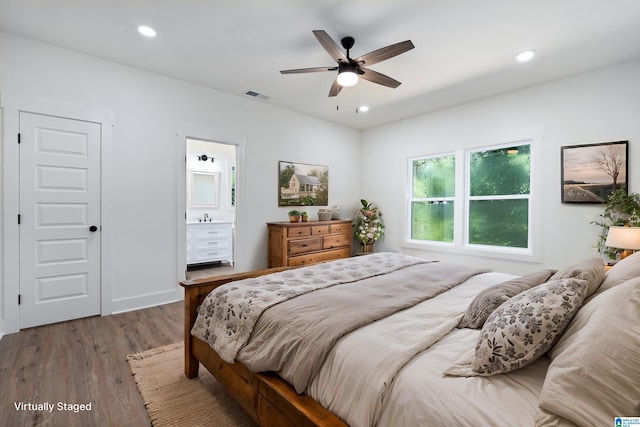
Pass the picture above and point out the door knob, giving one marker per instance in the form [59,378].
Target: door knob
[93,228]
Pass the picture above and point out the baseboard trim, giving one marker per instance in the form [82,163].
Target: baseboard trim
[146,301]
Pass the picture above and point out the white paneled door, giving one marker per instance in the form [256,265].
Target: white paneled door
[59,219]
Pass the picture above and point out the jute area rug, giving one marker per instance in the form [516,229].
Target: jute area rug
[172,399]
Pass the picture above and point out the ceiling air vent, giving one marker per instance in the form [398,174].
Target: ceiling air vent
[257,95]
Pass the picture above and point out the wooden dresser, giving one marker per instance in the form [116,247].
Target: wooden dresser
[303,243]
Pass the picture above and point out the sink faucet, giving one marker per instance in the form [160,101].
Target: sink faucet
[206,215]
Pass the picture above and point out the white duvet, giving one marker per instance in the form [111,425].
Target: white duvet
[390,373]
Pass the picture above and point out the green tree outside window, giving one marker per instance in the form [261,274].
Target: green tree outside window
[432,204]
[499,197]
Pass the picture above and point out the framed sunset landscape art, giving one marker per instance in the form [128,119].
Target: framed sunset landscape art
[592,172]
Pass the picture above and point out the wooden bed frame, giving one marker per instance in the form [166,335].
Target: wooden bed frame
[271,401]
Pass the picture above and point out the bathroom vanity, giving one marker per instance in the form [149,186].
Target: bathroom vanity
[209,242]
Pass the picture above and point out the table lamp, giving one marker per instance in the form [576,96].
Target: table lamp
[627,238]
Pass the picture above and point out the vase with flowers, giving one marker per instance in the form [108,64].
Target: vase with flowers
[368,225]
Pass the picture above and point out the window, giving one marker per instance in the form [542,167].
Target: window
[498,200]
[432,198]
[472,200]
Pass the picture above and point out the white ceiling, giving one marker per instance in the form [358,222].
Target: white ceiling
[464,48]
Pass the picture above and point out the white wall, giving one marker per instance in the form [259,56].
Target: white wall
[1,226]
[148,110]
[595,107]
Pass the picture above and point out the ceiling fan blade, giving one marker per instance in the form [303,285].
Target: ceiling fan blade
[335,88]
[330,46]
[381,79]
[308,70]
[385,53]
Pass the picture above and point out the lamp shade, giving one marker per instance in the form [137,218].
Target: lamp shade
[623,238]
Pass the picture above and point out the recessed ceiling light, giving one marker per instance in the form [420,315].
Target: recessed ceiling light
[526,55]
[146,31]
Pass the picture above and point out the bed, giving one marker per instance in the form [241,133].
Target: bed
[393,340]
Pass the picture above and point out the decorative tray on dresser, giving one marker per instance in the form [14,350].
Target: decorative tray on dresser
[304,243]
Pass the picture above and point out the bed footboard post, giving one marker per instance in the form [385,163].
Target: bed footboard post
[191,364]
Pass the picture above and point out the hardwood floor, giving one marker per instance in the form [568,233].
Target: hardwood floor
[210,270]
[82,361]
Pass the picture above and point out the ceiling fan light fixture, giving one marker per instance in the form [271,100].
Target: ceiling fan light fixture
[351,70]
[347,78]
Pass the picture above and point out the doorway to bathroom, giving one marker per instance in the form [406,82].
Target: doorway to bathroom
[211,208]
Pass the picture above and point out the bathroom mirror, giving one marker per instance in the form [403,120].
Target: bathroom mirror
[203,189]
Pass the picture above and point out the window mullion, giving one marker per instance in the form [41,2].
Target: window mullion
[461,210]
[501,197]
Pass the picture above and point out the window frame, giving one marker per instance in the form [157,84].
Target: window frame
[408,229]
[460,244]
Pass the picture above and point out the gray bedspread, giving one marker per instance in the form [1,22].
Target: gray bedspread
[227,315]
[294,337]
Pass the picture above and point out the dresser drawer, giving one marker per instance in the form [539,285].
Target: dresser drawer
[299,231]
[318,230]
[303,246]
[335,241]
[340,228]
[319,257]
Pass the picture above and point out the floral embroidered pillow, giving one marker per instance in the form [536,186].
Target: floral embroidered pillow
[526,326]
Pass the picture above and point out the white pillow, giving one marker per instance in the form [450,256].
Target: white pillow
[595,374]
[622,271]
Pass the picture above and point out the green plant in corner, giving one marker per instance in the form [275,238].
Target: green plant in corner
[621,209]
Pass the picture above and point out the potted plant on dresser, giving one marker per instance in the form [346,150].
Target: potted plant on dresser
[368,226]
[294,216]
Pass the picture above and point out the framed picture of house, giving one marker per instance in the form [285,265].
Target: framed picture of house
[592,172]
[301,184]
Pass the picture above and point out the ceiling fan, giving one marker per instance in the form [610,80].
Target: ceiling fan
[349,70]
